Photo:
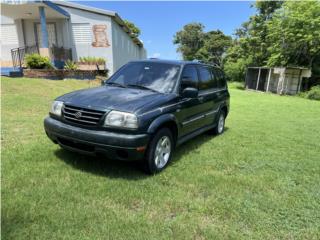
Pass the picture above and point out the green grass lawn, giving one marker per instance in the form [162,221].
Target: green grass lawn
[260,179]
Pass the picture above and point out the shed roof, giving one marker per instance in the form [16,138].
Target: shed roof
[288,67]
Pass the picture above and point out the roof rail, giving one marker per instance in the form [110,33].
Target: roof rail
[204,62]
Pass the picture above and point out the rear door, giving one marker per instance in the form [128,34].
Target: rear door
[208,87]
[222,92]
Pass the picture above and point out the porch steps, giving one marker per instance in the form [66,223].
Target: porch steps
[18,73]
[11,72]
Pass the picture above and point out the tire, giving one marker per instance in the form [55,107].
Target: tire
[159,151]
[220,123]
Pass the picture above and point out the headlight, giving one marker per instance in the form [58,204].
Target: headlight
[121,119]
[56,108]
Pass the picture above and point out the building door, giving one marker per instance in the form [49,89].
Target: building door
[52,38]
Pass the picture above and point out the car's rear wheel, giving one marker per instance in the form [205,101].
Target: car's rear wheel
[159,151]
[220,124]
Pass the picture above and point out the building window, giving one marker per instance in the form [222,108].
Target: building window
[9,34]
[81,33]
[51,29]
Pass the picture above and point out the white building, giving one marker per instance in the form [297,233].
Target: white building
[63,30]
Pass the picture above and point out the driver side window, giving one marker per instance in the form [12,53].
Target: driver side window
[189,78]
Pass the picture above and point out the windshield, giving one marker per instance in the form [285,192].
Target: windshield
[160,77]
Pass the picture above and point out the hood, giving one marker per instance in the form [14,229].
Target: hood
[114,98]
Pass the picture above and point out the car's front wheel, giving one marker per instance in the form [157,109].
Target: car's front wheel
[159,151]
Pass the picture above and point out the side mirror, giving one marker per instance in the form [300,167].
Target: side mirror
[103,82]
[189,92]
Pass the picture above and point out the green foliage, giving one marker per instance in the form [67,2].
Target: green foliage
[313,93]
[135,31]
[214,47]
[235,71]
[267,8]
[70,65]
[208,47]
[250,46]
[36,61]
[92,60]
[280,34]
[294,34]
[189,40]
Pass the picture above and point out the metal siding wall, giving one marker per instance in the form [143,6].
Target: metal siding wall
[84,48]
[124,49]
[292,80]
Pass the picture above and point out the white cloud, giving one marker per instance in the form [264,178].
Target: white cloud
[155,55]
[148,41]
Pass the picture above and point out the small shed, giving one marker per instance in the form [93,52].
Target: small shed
[280,80]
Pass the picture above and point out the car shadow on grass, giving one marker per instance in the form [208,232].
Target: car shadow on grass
[103,166]
[193,145]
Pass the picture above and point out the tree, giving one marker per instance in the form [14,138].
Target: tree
[189,40]
[294,34]
[194,43]
[250,45]
[135,31]
[235,63]
[214,47]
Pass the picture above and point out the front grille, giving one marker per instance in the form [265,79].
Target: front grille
[81,116]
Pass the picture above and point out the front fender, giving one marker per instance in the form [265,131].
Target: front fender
[156,123]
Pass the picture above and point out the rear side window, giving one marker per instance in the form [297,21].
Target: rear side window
[220,77]
[189,77]
[207,80]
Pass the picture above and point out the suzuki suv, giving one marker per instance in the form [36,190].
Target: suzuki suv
[142,112]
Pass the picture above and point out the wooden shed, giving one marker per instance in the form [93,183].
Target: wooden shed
[280,80]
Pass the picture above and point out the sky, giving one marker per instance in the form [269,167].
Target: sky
[159,21]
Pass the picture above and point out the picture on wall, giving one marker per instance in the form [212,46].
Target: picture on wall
[100,36]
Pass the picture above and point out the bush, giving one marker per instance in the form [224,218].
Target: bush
[70,65]
[313,93]
[235,71]
[36,61]
[92,60]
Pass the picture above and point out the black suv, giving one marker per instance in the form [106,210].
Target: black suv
[143,111]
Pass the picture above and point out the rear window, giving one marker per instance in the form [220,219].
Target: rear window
[207,80]
[219,75]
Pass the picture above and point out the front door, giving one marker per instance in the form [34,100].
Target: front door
[191,113]
[52,37]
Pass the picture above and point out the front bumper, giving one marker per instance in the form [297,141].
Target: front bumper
[92,142]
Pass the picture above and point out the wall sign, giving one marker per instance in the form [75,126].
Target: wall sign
[100,36]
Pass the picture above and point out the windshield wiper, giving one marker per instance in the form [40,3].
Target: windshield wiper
[116,84]
[142,87]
